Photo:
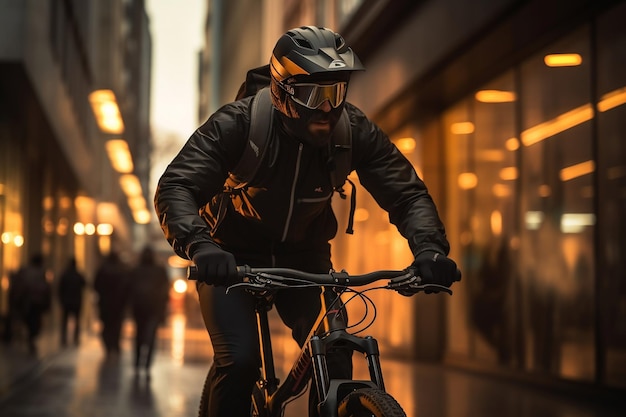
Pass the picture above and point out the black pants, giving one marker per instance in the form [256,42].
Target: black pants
[111,331]
[33,319]
[146,326]
[231,323]
[70,311]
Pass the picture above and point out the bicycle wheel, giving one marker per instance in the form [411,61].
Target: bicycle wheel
[370,402]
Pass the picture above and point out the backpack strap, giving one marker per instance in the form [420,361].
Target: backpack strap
[341,152]
[261,117]
[341,164]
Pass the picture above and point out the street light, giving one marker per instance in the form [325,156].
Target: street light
[107,112]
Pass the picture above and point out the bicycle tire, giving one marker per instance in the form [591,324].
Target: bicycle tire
[369,402]
[203,409]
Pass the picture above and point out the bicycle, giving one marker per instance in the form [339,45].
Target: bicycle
[336,397]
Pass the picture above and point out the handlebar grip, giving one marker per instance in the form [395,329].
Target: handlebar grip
[192,272]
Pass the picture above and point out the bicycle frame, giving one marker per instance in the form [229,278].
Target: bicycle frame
[329,330]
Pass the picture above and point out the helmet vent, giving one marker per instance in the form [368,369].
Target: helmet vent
[304,43]
[339,42]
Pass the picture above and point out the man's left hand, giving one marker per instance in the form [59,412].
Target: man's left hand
[435,268]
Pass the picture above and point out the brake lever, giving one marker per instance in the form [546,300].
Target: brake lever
[403,281]
[434,288]
[258,283]
[413,282]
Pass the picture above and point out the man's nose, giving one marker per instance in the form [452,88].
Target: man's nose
[325,106]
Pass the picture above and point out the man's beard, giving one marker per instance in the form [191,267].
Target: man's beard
[313,126]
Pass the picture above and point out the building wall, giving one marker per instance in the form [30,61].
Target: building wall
[54,170]
[233,48]
[533,225]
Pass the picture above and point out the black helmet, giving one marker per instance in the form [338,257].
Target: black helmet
[310,54]
[311,50]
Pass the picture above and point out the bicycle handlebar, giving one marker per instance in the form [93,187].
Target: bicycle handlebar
[263,279]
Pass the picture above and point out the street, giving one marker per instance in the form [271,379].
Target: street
[81,382]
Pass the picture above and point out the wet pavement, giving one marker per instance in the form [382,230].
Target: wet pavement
[82,382]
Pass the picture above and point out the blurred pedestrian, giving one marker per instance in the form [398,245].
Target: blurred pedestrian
[34,298]
[111,285]
[14,310]
[71,287]
[149,296]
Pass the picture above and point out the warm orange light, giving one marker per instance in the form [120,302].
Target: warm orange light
[496,222]
[18,241]
[501,190]
[467,180]
[137,202]
[130,185]
[83,203]
[79,229]
[406,145]
[62,226]
[578,170]
[104,229]
[490,155]
[612,99]
[106,111]
[65,202]
[119,155]
[576,222]
[180,286]
[557,125]
[462,128]
[508,173]
[141,216]
[104,244]
[495,96]
[90,229]
[563,60]
[511,144]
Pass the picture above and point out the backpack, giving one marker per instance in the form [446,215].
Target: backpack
[261,117]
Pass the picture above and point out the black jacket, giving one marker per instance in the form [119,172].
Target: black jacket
[287,207]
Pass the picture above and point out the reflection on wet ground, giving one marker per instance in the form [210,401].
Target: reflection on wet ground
[82,382]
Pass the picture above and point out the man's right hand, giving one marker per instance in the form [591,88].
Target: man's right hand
[215,265]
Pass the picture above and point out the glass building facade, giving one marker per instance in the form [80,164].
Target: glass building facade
[528,170]
[512,112]
[536,171]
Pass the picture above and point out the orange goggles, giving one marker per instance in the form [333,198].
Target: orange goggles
[313,95]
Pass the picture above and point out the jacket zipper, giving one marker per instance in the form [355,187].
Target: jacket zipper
[292,198]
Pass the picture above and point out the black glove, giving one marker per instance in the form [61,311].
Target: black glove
[215,265]
[435,268]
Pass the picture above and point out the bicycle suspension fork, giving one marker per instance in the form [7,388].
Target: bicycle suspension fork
[331,331]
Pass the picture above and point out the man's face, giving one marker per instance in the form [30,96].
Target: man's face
[317,107]
[323,120]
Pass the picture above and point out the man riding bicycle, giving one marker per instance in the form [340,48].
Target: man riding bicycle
[283,217]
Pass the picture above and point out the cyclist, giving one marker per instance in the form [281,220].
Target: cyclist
[284,218]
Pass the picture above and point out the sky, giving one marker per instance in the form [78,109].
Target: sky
[177,36]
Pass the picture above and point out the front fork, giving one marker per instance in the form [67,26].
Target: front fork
[368,346]
[332,334]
